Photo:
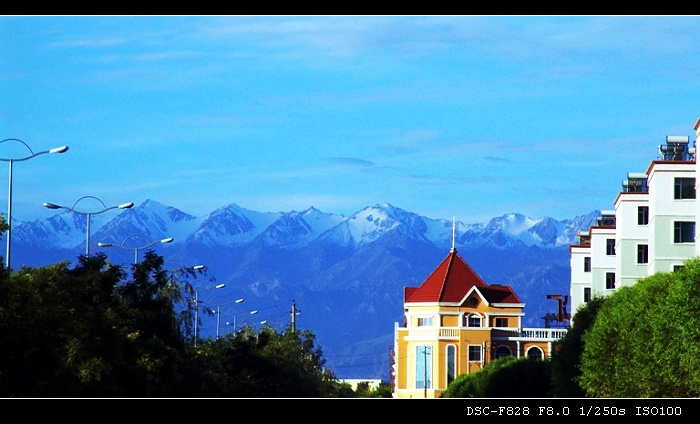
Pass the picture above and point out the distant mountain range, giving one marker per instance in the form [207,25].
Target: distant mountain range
[345,274]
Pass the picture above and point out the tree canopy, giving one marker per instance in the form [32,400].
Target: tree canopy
[97,330]
[644,341]
[505,377]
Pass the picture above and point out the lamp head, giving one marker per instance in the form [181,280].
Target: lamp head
[101,244]
[167,240]
[59,149]
[126,205]
[51,206]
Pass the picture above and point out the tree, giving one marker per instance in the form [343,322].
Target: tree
[56,330]
[363,390]
[88,332]
[91,331]
[566,355]
[264,364]
[644,339]
[505,377]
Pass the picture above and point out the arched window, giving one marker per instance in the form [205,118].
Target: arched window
[535,353]
[424,369]
[502,351]
[451,363]
[473,320]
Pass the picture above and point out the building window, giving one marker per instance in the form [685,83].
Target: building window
[677,268]
[475,353]
[684,188]
[642,253]
[586,294]
[474,321]
[535,353]
[502,351]
[683,232]
[425,322]
[610,247]
[451,363]
[423,367]
[610,280]
[642,215]
[587,264]
[501,322]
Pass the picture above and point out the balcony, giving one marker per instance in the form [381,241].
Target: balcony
[512,334]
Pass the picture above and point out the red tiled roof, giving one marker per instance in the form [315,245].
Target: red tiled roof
[450,281]
[499,294]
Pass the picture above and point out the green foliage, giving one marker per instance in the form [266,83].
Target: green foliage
[382,391]
[91,331]
[506,377]
[363,390]
[56,330]
[3,224]
[266,364]
[566,356]
[644,342]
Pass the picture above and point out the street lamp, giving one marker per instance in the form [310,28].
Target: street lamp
[196,311]
[9,191]
[234,319]
[183,269]
[88,214]
[176,285]
[135,249]
[218,316]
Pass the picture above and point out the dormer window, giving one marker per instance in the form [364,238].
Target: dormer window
[473,321]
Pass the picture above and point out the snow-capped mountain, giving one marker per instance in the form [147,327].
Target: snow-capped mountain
[346,274]
[233,226]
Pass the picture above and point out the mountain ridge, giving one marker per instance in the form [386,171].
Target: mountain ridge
[346,273]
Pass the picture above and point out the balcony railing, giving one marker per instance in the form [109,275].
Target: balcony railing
[453,333]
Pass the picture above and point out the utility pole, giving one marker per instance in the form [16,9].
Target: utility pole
[294,312]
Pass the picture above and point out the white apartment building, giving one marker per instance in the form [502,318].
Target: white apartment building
[651,229]
[581,280]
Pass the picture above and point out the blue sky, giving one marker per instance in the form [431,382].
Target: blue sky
[465,116]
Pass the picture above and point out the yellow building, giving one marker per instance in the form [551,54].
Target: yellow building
[454,323]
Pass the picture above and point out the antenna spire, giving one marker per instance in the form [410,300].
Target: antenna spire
[453,234]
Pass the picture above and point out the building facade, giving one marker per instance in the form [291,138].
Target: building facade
[454,323]
[651,229]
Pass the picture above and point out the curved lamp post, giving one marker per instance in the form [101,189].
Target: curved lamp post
[89,214]
[218,315]
[234,319]
[196,305]
[135,249]
[181,270]
[9,192]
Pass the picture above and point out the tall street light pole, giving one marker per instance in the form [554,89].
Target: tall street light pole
[88,214]
[196,311]
[135,249]
[190,271]
[218,316]
[9,192]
